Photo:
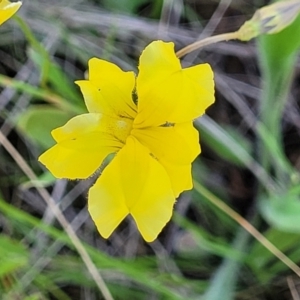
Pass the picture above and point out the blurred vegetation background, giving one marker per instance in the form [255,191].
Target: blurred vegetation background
[249,161]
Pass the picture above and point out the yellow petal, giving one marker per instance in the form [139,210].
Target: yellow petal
[178,143]
[106,202]
[77,126]
[109,89]
[175,147]
[117,129]
[180,176]
[167,93]
[134,182]
[80,150]
[7,9]
[147,189]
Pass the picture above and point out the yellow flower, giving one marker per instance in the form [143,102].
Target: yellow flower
[7,9]
[147,122]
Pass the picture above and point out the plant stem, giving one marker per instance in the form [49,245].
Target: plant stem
[207,41]
[247,226]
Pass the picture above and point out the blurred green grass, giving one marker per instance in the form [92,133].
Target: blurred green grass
[250,156]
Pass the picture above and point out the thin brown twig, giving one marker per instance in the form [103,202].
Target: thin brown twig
[207,41]
[293,288]
[247,226]
[59,216]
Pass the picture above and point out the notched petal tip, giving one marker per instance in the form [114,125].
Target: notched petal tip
[168,93]
[82,145]
[144,191]
[148,190]
[106,203]
[109,89]
[65,163]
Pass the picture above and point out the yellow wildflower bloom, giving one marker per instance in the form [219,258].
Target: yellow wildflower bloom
[147,122]
[7,9]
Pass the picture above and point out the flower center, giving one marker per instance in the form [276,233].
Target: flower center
[120,128]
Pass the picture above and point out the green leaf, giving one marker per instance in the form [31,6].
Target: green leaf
[229,144]
[274,149]
[35,296]
[278,53]
[13,255]
[279,47]
[103,261]
[124,6]
[224,282]
[57,78]
[208,242]
[263,263]
[37,123]
[282,212]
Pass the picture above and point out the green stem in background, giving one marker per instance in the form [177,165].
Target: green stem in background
[247,226]
[278,55]
[207,41]
[36,45]
[276,87]
[225,278]
[269,19]
[46,95]
[60,217]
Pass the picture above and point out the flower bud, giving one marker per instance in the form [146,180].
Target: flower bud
[270,19]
